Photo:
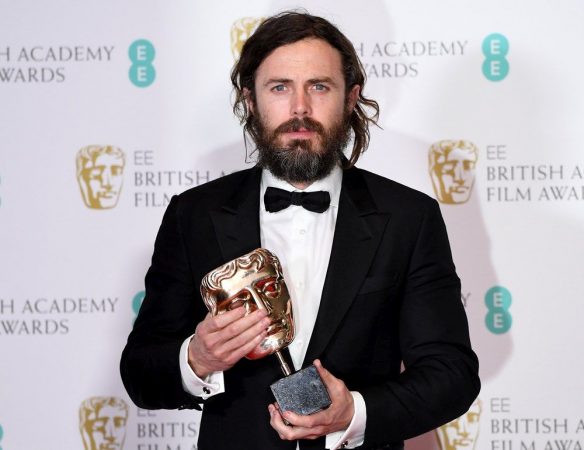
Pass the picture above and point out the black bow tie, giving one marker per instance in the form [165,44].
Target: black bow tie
[278,199]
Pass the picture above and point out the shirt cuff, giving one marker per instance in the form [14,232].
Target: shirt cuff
[354,435]
[212,385]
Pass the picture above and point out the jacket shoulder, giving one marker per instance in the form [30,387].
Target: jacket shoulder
[219,190]
[387,193]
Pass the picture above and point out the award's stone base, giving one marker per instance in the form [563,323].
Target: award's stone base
[302,392]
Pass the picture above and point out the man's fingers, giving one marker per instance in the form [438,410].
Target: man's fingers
[320,418]
[216,347]
[244,336]
[216,323]
[235,354]
[326,376]
[335,418]
[289,432]
[238,327]
[236,334]
[229,324]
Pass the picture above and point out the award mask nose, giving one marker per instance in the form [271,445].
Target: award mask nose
[259,301]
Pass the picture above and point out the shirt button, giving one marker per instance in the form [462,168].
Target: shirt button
[302,231]
[345,444]
[206,390]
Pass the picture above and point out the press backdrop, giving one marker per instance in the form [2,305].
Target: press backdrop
[142,87]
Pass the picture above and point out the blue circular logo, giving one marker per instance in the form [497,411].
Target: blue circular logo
[495,48]
[498,300]
[137,301]
[142,53]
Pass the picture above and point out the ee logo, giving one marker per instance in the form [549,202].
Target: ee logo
[142,72]
[498,301]
[136,303]
[495,49]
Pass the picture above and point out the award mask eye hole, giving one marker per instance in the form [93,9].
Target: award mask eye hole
[241,299]
[270,288]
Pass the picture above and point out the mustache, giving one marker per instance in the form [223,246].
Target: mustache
[296,124]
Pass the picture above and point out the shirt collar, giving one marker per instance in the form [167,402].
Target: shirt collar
[331,183]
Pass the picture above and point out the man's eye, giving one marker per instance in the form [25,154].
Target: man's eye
[320,87]
[279,88]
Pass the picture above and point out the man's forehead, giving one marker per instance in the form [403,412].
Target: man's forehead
[308,58]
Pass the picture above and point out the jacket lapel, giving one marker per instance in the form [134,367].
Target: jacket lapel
[236,223]
[358,231]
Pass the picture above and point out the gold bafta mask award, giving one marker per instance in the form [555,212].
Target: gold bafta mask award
[255,281]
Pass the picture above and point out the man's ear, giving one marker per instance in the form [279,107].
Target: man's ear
[353,96]
[247,95]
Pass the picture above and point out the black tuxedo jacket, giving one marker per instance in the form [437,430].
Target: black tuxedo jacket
[391,296]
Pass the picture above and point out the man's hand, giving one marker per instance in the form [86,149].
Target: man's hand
[220,341]
[336,417]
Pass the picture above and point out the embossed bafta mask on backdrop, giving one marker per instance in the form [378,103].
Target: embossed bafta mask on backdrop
[240,31]
[100,171]
[461,433]
[452,170]
[102,423]
[253,281]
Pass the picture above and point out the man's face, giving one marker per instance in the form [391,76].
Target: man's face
[103,180]
[453,175]
[258,288]
[106,428]
[301,110]
[462,433]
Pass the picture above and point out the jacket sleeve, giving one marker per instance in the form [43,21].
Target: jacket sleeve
[439,380]
[169,314]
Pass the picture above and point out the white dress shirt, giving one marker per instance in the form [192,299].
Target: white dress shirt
[302,240]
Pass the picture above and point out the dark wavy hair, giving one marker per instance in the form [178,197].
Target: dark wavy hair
[287,28]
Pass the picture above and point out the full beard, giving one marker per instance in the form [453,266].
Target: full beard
[298,161]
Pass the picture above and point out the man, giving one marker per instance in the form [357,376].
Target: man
[100,175]
[370,275]
[102,423]
[452,165]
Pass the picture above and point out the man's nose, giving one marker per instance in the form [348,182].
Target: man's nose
[301,106]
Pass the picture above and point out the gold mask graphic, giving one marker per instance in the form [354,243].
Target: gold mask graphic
[461,433]
[240,31]
[100,171]
[452,170]
[102,423]
[254,281]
